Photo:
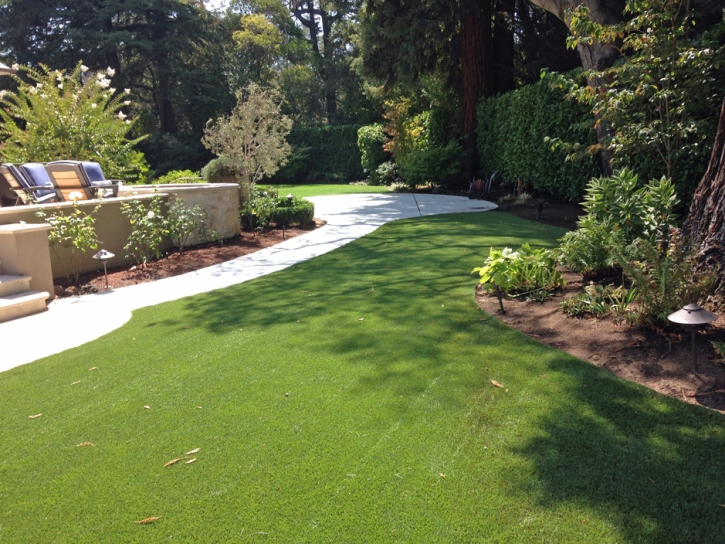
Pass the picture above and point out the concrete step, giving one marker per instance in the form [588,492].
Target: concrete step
[22,304]
[10,285]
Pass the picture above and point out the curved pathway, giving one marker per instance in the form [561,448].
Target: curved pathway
[74,321]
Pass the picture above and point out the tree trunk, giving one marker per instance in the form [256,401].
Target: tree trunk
[704,228]
[475,67]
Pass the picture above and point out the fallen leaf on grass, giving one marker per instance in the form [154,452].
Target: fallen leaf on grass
[192,452]
[94,368]
[76,383]
[148,520]
[33,417]
[441,475]
[187,327]
[494,382]
[190,461]
[82,444]
[147,407]
[361,319]
[174,461]
[199,407]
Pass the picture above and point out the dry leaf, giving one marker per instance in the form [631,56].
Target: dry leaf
[174,461]
[76,383]
[199,407]
[187,327]
[192,452]
[361,319]
[494,382]
[190,461]
[33,417]
[94,368]
[84,444]
[441,475]
[148,520]
[147,407]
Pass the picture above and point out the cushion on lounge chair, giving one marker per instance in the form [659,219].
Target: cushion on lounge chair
[34,176]
[68,177]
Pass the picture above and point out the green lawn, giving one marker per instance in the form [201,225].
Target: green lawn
[348,399]
[321,189]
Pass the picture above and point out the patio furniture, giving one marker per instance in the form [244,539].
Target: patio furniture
[84,174]
[27,189]
[94,174]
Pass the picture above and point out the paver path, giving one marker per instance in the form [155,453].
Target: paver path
[74,321]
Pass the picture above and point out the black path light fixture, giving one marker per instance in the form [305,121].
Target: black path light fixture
[693,317]
[104,256]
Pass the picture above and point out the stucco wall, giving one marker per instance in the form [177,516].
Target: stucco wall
[220,201]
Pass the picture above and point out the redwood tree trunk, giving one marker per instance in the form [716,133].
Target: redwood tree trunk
[475,67]
[704,228]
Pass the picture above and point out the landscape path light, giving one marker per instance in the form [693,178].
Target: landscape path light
[693,317]
[104,256]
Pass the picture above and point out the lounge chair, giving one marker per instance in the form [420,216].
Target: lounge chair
[27,189]
[94,174]
[86,175]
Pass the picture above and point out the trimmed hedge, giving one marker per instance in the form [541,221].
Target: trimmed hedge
[511,132]
[327,154]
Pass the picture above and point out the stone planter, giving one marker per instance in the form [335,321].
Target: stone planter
[242,180]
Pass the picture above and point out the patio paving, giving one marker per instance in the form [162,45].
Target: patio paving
[74,321]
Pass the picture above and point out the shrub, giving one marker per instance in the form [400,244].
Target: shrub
[599,301]
[166,152]
[54,116]
[223,166]
[530,272]
[297,212]
[148,228]
[433,164]
[179,176]
[258,212]
[327,154]
[586,250]
[74,230]
[183,221]
[388,173]
[370,140]
[512,133]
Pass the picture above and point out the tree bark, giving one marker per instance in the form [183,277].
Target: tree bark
[704,228]
[475,69]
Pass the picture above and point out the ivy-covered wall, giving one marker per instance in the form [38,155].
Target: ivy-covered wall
[327,154]
[511,132]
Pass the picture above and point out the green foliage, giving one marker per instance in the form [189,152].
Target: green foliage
[223,166]
[298,211]
[599,300]
[370,140]
[514,130]
[387,173]
[179,176]
[328,154]
[258,212]
[148,228]
[255,134]
[663,277]
[183,221]
[74,230]
[662,98]
[531,272]
[586,249]
[53,116]
[719,348]
[432,164]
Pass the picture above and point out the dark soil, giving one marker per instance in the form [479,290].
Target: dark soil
[175,263]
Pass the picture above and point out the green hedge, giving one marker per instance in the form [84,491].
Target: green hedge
[298,212]
[327,154]
[511,132]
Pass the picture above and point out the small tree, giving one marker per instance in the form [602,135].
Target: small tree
[254,134]
[56,115]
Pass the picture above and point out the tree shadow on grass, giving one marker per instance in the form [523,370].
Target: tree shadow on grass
[649,463]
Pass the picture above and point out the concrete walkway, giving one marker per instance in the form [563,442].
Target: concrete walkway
[74,321]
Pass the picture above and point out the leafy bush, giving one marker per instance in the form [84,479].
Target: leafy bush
[599,300]
[327,154]
[74,230]
[148,228]
[54,116]
[586,250]
[223,166]
[370,140]
[530,272]
[433,164]
[297,212]
[388,173]
[179,176]
[258,212]
[167,152]
[183,221]
[664,279]
[513,127]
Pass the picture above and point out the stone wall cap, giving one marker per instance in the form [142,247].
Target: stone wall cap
[22,228]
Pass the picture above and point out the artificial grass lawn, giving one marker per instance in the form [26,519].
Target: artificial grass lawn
[322,189]
[329,411]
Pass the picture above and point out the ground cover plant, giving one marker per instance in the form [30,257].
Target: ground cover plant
[351,398]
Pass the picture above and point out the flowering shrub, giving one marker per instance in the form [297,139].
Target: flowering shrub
[182,221]
[74,230]
[148,228]
[77,115]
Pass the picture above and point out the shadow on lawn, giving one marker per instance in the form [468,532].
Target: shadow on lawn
[651,465]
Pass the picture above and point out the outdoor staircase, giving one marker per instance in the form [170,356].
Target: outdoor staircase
[16,298]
